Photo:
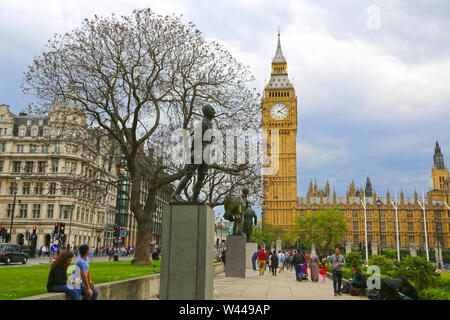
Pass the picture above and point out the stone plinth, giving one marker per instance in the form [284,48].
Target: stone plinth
[348,247]
[374,248]
[413,249]
[278,245]
[188,259]
[250,249]
[235,257]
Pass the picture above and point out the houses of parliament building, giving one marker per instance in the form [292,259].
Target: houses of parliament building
[281,204]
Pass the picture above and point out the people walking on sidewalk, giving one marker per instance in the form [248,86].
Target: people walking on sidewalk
[314,267]
[254,259]
[262,261]
[298,260]
[337,262]
[323,271]
[281,260]
[274,262]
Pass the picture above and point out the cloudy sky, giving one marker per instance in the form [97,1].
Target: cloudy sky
[372,77]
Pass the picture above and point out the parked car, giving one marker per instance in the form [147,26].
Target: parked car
[10,252]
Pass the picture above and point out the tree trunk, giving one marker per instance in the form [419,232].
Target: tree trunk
[143,241]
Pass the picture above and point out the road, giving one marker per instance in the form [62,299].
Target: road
[41,260]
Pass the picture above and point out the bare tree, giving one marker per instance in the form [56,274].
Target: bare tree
[138,78]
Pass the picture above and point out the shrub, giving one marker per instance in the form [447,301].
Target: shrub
[381,261]
[434,294]
[418,270]
[353,258]
[390,254]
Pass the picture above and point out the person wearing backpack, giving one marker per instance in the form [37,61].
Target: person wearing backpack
[299,260]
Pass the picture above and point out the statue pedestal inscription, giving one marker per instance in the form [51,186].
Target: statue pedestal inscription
[250,249]
[187,264]
[235,256]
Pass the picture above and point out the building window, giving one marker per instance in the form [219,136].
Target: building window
[35,132]
[52,189]
[13,187]
[41,166]
[44,148]
[3,147]
[64,211]
[55,166]
[29,166]
[57,148]
[50,210]
[28,132]
[9,210]
[355,214]
[369,214]
[41,132]
[410,227]
[23,210]
[16,166]
[369,226]
[38,188]
[355,225]
[36,211]
[22,133]
[1,165]
[41,122]
[20,148]
[26,188]
[409,214]
[33,148]
[2,119]
[437,214]
[383,226]
[47,133]
[29,122]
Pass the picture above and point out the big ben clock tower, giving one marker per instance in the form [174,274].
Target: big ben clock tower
[279,112]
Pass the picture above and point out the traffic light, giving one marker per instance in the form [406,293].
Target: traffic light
[62,227]
[34,230]
[56,229]
[2,232]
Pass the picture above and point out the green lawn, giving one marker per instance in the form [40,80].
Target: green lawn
[20,282]
[445,275]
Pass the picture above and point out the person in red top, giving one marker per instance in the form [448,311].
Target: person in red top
[323,271]
[262,261]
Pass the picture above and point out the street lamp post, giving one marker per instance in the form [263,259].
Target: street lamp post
[365,227]
[70,224]
[16,188]
[394,204]
[379,224]
[422,205]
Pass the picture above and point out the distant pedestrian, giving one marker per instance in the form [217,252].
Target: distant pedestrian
[57,278]
[281,260]
[254,258]
[314,267]
[337,262]
[111,254]
[299,260]
[269,261]
[262,261]
[291,259]
[274,263]
[323,271]
[88,291]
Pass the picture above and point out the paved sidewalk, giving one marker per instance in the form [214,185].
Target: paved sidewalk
[268,287]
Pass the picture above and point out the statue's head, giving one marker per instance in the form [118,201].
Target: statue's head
[208,111]
[245,191]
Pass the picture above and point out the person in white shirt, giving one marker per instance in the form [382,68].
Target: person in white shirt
[281,260]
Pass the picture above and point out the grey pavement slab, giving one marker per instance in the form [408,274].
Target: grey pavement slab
[283,286]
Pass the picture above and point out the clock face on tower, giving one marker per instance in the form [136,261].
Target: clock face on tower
[279,111]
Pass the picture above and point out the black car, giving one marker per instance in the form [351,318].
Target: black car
[10,252]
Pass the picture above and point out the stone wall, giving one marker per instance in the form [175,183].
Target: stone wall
[141,288]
